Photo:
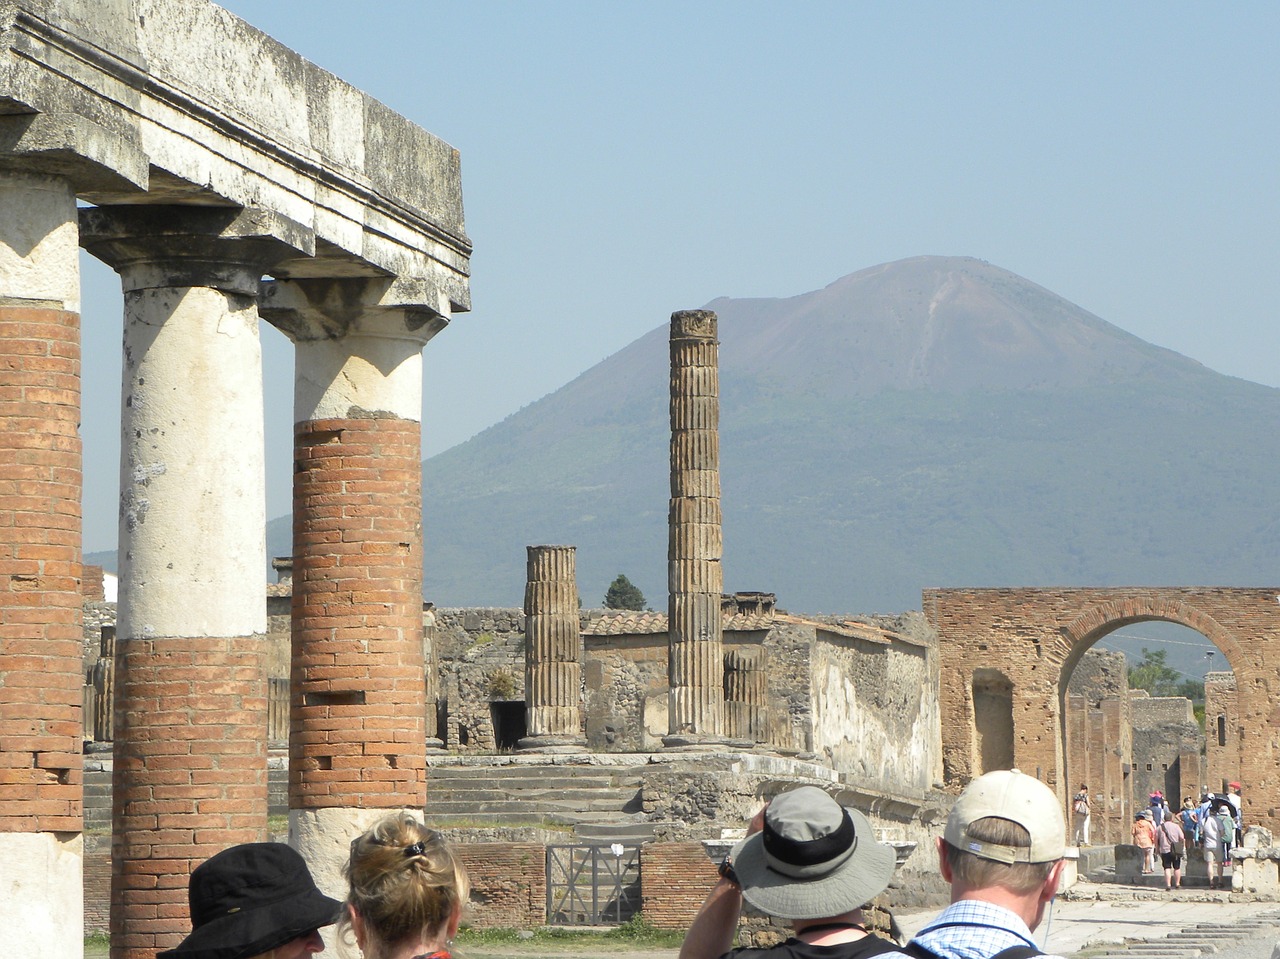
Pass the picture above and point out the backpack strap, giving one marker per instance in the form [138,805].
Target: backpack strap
[917,951]
[1018,952]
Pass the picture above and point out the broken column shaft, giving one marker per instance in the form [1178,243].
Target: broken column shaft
[553,671]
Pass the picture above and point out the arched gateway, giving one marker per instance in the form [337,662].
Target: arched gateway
[1005,653]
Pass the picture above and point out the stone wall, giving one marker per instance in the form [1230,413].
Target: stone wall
[1164,728]
[626,692]
[1222,731]
[480,653]
[874,711]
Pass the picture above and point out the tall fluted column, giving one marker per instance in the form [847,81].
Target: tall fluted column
[746,692]
[553,670]
[41,792]
[190,748]
[357,742]
[695,578]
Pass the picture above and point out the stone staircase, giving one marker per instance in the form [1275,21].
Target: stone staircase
[600,802]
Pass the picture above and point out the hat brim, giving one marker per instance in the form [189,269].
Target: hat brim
[248,933]
[854,883]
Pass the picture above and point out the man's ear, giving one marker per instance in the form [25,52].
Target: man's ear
[1050,887]
[944,866]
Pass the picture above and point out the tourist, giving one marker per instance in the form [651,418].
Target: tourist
[1171,844]
[1080,816]
[1213,846]
[810,861]
[1157,807]
[1189,820]
[406,891]
[1002,853]
[1143,831]
[254,901]
[1233,797]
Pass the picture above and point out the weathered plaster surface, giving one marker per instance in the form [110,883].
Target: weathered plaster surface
[356,376]
[39,240]
[192,513]
[41,895]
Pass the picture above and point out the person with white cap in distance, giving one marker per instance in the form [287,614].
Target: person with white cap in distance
[1002,853]
[806,859]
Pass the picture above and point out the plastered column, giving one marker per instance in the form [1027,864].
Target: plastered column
[190,749]
[695,578]
[357,743]
[553,670]
[41,792]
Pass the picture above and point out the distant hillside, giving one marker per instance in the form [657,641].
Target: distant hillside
[931,422]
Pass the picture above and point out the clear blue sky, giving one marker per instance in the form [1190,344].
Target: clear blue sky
[621,161]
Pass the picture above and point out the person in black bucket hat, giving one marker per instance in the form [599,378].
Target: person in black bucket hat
[251,899]
[806,859]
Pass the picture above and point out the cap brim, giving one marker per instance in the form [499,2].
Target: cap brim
[855,882]
[246,934]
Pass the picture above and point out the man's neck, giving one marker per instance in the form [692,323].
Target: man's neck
[1026,906]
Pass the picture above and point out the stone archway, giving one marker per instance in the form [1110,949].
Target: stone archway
[1036,636]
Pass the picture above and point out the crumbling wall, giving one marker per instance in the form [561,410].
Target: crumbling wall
[480,653]
[626,692]
[1164,727]
[875,711]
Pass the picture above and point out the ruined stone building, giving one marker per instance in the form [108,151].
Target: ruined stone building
[549,742]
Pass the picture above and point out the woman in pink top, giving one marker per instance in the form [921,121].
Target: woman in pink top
[1144,837]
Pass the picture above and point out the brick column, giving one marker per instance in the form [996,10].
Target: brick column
[190,749]
[357,743]
[695,578]
[41,795]
[553,671]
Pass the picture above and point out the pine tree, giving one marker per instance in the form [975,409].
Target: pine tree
[623,594]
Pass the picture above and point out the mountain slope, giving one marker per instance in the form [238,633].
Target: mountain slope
[931,422]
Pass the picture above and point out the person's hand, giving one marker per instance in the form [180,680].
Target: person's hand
[757,821]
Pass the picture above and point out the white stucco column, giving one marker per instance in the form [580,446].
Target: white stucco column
[41,818]
[190,747]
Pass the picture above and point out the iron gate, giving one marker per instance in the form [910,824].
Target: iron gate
[594,885]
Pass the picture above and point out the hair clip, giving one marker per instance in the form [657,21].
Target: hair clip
[417,849]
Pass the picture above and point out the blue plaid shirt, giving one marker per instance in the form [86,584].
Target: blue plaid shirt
[971,929]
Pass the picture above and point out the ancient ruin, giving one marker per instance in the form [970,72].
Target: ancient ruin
[202,179]
[542,739]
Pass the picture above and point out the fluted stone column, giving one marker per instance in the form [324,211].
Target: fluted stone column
[357,743]
[553,670]
[746,694]
[41,684]
[190,747]
[695,578]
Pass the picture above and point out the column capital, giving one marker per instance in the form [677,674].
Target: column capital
[93,158]
[221,248]
[306,309]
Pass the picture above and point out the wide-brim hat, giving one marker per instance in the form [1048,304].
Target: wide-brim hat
[813,859]
[249,899]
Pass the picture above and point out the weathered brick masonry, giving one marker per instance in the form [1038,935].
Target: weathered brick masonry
[40,604]
[508,884]
[674,879]
[1033,638]
[357,727]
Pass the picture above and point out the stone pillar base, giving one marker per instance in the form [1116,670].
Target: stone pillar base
[552,744]
[695,743]
[435,747]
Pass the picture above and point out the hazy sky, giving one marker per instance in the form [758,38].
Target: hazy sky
[621,161]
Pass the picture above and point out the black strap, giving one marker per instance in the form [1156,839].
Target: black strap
[917,951]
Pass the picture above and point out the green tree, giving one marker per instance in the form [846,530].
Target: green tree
[1155,675]
[623,594]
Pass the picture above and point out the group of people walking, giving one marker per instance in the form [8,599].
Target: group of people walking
[1213,826]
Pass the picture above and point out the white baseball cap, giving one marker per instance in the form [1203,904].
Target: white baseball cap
[1019,798]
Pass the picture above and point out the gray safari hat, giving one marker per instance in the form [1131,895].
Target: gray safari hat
[814,858]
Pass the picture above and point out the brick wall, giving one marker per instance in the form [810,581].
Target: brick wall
[508,884]
[1038,635]
[674,880]
[40,601]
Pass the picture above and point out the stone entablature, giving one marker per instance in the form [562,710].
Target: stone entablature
[175,101]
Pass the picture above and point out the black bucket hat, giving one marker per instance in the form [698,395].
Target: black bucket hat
[249,899]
